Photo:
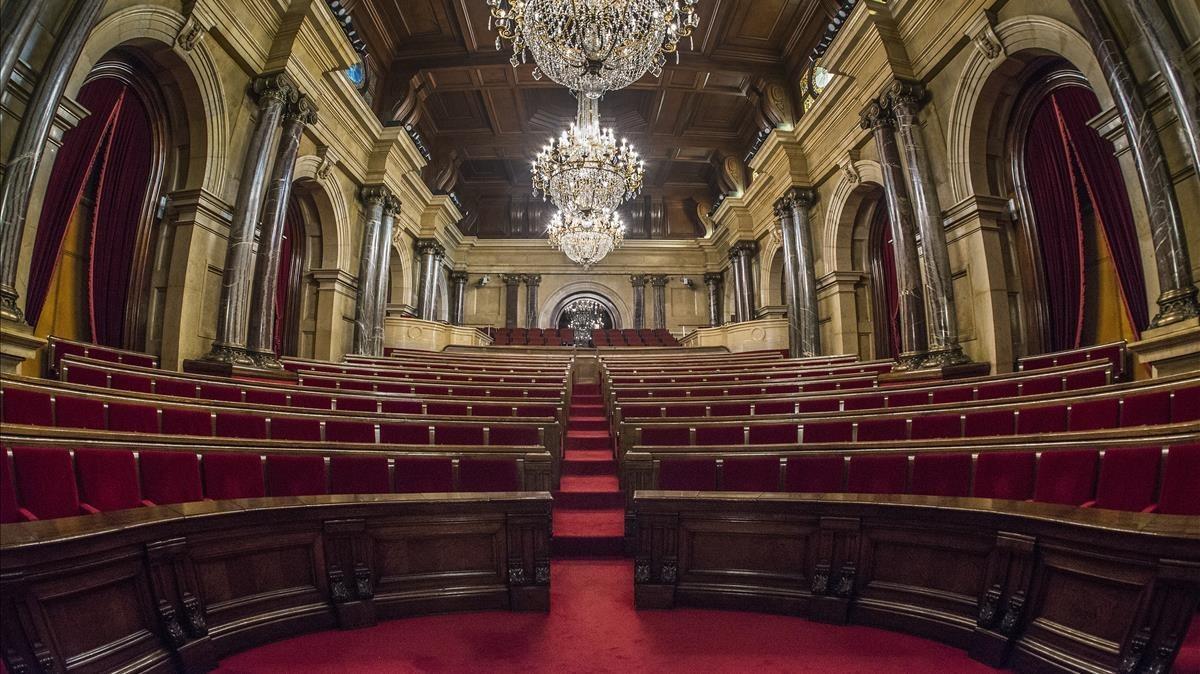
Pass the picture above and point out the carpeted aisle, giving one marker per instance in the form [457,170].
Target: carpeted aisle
[593,627]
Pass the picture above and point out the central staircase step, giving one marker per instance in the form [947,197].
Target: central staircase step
[588,532]
[588,424]
[589,492]
[589,462]
[588,439]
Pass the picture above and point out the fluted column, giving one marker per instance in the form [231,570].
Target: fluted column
[532,281]
[30,143]
[660,300]
[373,199]
[512,285]
[944,349]
[386,232]
[638,281]
[430,253]
[1177,298]
[458,297]
[16,23]
[266,263]
[715,283]
[792,210]
[741,255]
[913,341]
[274,92]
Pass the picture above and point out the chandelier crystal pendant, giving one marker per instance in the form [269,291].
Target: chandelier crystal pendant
[586,239]
[593,46]
[584,170]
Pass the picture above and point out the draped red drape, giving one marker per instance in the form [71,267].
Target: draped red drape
[886,292]
[113,146]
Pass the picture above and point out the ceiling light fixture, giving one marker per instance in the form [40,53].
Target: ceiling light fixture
[586,239]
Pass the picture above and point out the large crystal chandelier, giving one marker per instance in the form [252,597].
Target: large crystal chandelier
[585,171]
[586,239]
[593,46]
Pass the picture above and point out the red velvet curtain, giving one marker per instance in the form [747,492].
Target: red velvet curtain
[287,286]
[887,293]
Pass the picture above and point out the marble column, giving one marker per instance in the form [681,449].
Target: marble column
[274,92]
[913,344]
[660,300]
[30,142]
[430,253]
[458,297]
[715,283]
[16,23]
[905,99]
[373,199]
[638,281]
[512,285]
[385,233]
[1178,299]
[266,264]
[739,307]
[792,210]
[741,255]
[532,281]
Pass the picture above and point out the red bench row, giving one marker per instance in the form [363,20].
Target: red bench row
[44,483]
[1132,479]
[629,337]
[1114,353]
[533,336]
[58,348]
[421,376]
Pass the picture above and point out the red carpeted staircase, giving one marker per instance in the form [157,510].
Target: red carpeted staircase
[589,514]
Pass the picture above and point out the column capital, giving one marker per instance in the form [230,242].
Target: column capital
[660,281]
[797,197]
[459,277]
[905,97]
[511,280]
[303,110]
[391,205]
[877,115]
[430,247]
[532,279]
[277,86]
[743,248]
[638,280]
[372,195]
[714,278]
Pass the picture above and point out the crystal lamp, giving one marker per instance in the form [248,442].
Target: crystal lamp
[586,239]
[584,170]
[593,46]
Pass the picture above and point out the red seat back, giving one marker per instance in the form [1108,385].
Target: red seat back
[45,482]
[295,428]
[179,421]
[170,477]
[877,474]
[78,412]
[1128,476]
[10,510]
[750,474]
[488,475]
[1066,477]
[687,474]
[458,435]
[23,406]
[343,430]
[1179,494]
[232,425]
[232,475]
[421,475]
[941,474]
[132,418]
[108,479]
[300,475]
[814,474]
[1007,475]
[828,431]
[358,475]
[882,429]
[513,435]
[936,426]
[1094,414]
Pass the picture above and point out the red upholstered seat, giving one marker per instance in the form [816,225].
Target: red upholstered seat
[788,407]
[346,430]
[751,474]
[458,435]
[488,475]
[729,410]
[86,375]
[1093,414]
[404,434]
[231,394]
[513,435]
[295,428]
[394,406]
[1007,475]
[720,436]
[1066,477]
[78,412]
[1047,419]
[882,429]
[666,436]
[178,421]
[941,475]
[1185,404]
[423,475]
[872,401]
[772,434]
[22,405]
[170,477]
[10,509]
[132,418]
[122,381]
[1080,380]
[828,431]
[45,482]
[233,475]
[996,390]
[445,409]
[232,425]
[358,404]
[178,388]
[1179,494]
[108,479]
[936,426]
[687,474]
[258,396]
[298,475]
[993,422]
[814,474]
[686,410]
[908,398]
[1041,385]
[877,474]
[1128,476]
[952,394]
[315,401]
[358,475]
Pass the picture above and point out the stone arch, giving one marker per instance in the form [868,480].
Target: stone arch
[841,215]
[553,304]
[403,270]
[332,209]
[772,292]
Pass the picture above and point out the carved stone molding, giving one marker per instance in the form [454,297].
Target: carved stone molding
[982,34]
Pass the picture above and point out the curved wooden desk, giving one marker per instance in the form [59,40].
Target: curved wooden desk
[174,588]
[1031,586]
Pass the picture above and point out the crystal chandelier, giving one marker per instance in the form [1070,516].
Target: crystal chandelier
[593,46]
[584,170]
[586,239]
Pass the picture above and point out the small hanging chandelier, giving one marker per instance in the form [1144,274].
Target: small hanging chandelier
[586,239]
[593,46]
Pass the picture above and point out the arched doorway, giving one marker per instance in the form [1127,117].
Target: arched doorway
[584,312]
[296,289]
[885,296]
[1077,242]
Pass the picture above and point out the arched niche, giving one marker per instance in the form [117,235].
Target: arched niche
[553,305]
[556,315]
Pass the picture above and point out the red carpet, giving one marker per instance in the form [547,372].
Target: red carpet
[592,627]
[589,516]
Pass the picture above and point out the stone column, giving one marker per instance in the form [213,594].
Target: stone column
[532,281]
[266,263]
[715,283]
[1177,298]
[458,297]
[30,143]
[373,199]
[913,344]
[944,349]
[735,268]
[660,300]
[386,233]
[430,253]
[16,23]
[274,92]
[792,210]
[512,284]
[638,281]
[741,255]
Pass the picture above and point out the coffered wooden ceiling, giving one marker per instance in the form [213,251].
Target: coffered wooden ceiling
[484,121]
